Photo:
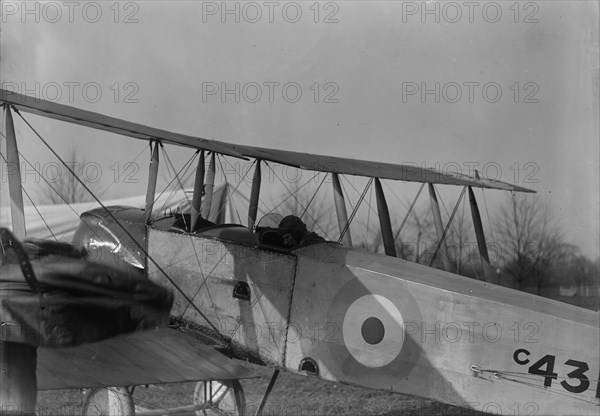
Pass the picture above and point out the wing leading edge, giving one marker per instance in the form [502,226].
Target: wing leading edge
[410,173]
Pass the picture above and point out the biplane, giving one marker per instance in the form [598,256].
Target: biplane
[326,309]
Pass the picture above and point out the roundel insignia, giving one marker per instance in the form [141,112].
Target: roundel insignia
[373,330]
[371,310]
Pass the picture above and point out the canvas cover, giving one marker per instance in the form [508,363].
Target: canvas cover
[53,296]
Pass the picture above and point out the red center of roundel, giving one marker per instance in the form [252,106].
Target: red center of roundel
[372,330]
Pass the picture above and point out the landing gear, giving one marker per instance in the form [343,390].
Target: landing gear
[211,398]
[113,401]
[220,397]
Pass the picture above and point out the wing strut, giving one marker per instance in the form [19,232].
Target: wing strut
[254,195]
[209,186]
[384,221]
[198,190]
[261,406]
[479,234]
[439,227]
[152,177]
[14,178]
[340,209]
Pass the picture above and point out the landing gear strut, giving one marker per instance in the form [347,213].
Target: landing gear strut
[221,397]
[211,398]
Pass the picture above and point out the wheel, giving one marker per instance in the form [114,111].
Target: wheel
[225,397]
[112,401]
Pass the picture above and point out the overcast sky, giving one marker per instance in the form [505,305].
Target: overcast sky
[512,90]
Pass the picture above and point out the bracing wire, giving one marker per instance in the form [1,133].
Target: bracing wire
[355,210]
[314,195]
[448,226]
[121,173]
[358,192]
[238,185]
[176,177]
[410,210]
[450,223]
[125,230]
[284,200]
[33,203]
[169,184]
[297,200]
[53,189]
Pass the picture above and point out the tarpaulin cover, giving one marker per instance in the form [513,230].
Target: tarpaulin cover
[73,300]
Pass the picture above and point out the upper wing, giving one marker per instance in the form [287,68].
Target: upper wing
[301,160]
[145,357]
[410,173]
[114,125]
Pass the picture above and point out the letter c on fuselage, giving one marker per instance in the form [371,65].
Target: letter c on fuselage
[519,352]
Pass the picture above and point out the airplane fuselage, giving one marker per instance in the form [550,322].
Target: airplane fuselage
[384,323]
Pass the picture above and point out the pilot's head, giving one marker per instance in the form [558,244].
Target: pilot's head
[292,230]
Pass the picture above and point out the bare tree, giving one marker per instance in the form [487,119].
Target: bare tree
[62,187]
[530,242]
[417,242]
[413,243]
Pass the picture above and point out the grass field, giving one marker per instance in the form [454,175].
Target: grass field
[292,395]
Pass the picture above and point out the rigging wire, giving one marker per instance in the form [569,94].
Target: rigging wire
[410,210]
[54,189]
[425,232]
[168,185]
[369,204]
[448,226]
[205,279]
[125,230]
[33,203]
[450,223]
[396,195]
[314,195]
[178,175]
[284,200]
[238,185]
[202,275]
[122,172]
[358,192]
[235,190]
[297,200]
[256,161]
[355,210]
